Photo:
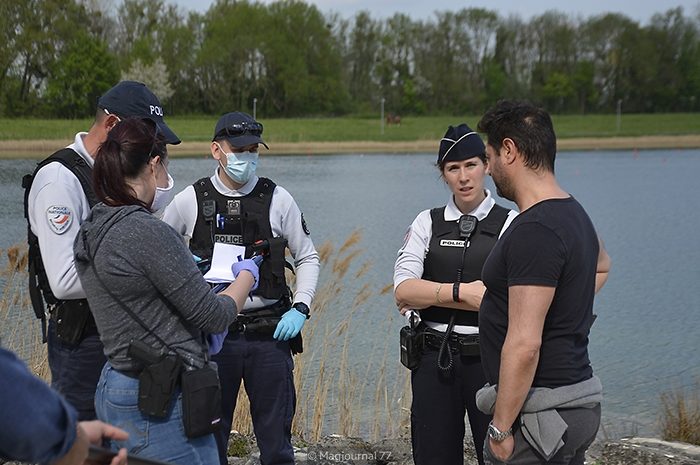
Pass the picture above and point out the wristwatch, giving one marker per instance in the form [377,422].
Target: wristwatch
[498,435]
[302,308]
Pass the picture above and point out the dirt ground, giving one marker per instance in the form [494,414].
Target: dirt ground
[41,148]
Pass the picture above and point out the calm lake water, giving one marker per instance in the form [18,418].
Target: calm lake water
[644,206]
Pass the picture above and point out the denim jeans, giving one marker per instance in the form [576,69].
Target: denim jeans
[116,402]
[75,370]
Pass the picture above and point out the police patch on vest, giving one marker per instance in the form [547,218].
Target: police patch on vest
[60,218]
[303,225]
[451,243]
[229,238]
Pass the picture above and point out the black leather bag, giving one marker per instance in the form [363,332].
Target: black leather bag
[201,401]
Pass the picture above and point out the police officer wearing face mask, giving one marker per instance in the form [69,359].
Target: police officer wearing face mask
[235,206]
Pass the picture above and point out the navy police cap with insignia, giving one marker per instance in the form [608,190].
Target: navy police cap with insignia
[460,143]
[239,129]
[131,98]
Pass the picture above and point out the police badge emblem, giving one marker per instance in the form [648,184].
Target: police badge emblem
[60,218]
[303,225]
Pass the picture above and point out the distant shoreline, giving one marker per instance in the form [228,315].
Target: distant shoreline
[28,149]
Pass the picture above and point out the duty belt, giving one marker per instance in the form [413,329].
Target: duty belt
[261,321]
[462,344]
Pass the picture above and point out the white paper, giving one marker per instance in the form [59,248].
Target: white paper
[224,256]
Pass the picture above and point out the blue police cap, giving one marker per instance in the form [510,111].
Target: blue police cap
[460,143]
[131,98]
[239,129]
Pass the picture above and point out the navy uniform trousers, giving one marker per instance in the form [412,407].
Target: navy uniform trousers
[266,368]
[75,369]
[438,408]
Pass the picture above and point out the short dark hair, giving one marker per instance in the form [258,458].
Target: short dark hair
[530,127]
[129,147]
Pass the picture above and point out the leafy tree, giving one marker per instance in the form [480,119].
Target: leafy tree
[155,76]
[556,90]
[83,72]
[602,44]
[10,21]
[512,62]
[230,65]
[45,29]
[363,50]
[395,60]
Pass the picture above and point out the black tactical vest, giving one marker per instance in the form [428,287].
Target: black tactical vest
[240,221]
[445,252]
[39,289]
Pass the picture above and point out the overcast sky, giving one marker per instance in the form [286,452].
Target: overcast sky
[639,10]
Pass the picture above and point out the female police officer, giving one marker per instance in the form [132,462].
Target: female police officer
[437,272]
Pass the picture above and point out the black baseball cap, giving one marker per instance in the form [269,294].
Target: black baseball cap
[131,98]
[239,129]
[460,143]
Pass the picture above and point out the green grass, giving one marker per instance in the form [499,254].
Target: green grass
[200,128]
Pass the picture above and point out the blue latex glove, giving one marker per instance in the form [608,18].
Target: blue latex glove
[216,341]
[289,326]
[251,265]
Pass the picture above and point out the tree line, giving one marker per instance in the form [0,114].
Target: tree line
[58,56]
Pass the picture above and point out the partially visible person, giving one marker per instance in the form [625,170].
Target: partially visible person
[148,297]
[58,198]
[37,425]
[537,312]
[437,272]
[236,206]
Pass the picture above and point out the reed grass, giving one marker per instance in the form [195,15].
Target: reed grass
[680,415]
[20,331]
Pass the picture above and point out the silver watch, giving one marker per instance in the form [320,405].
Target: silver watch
[497,435]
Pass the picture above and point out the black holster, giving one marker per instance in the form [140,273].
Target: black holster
[411,345]
[72,318]
[158,378]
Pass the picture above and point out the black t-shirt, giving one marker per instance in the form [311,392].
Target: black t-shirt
[553,243]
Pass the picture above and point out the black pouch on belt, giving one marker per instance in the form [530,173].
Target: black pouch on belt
[201,401]
[469,345]
[411,345]
[71,317]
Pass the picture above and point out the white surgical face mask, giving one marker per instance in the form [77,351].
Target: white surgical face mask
[240,167]
[163,195]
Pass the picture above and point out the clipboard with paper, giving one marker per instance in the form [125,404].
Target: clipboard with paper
[223,257]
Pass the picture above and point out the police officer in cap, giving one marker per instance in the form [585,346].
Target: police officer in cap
[437,274]
[58,198]
[235,206]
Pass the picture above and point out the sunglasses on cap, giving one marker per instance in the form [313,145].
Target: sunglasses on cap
[240,129]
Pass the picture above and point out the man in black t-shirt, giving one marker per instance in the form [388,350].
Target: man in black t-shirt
[537,312]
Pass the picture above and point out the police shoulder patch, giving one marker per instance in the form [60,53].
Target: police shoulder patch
[406,238]
[59,217]
[303,225]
